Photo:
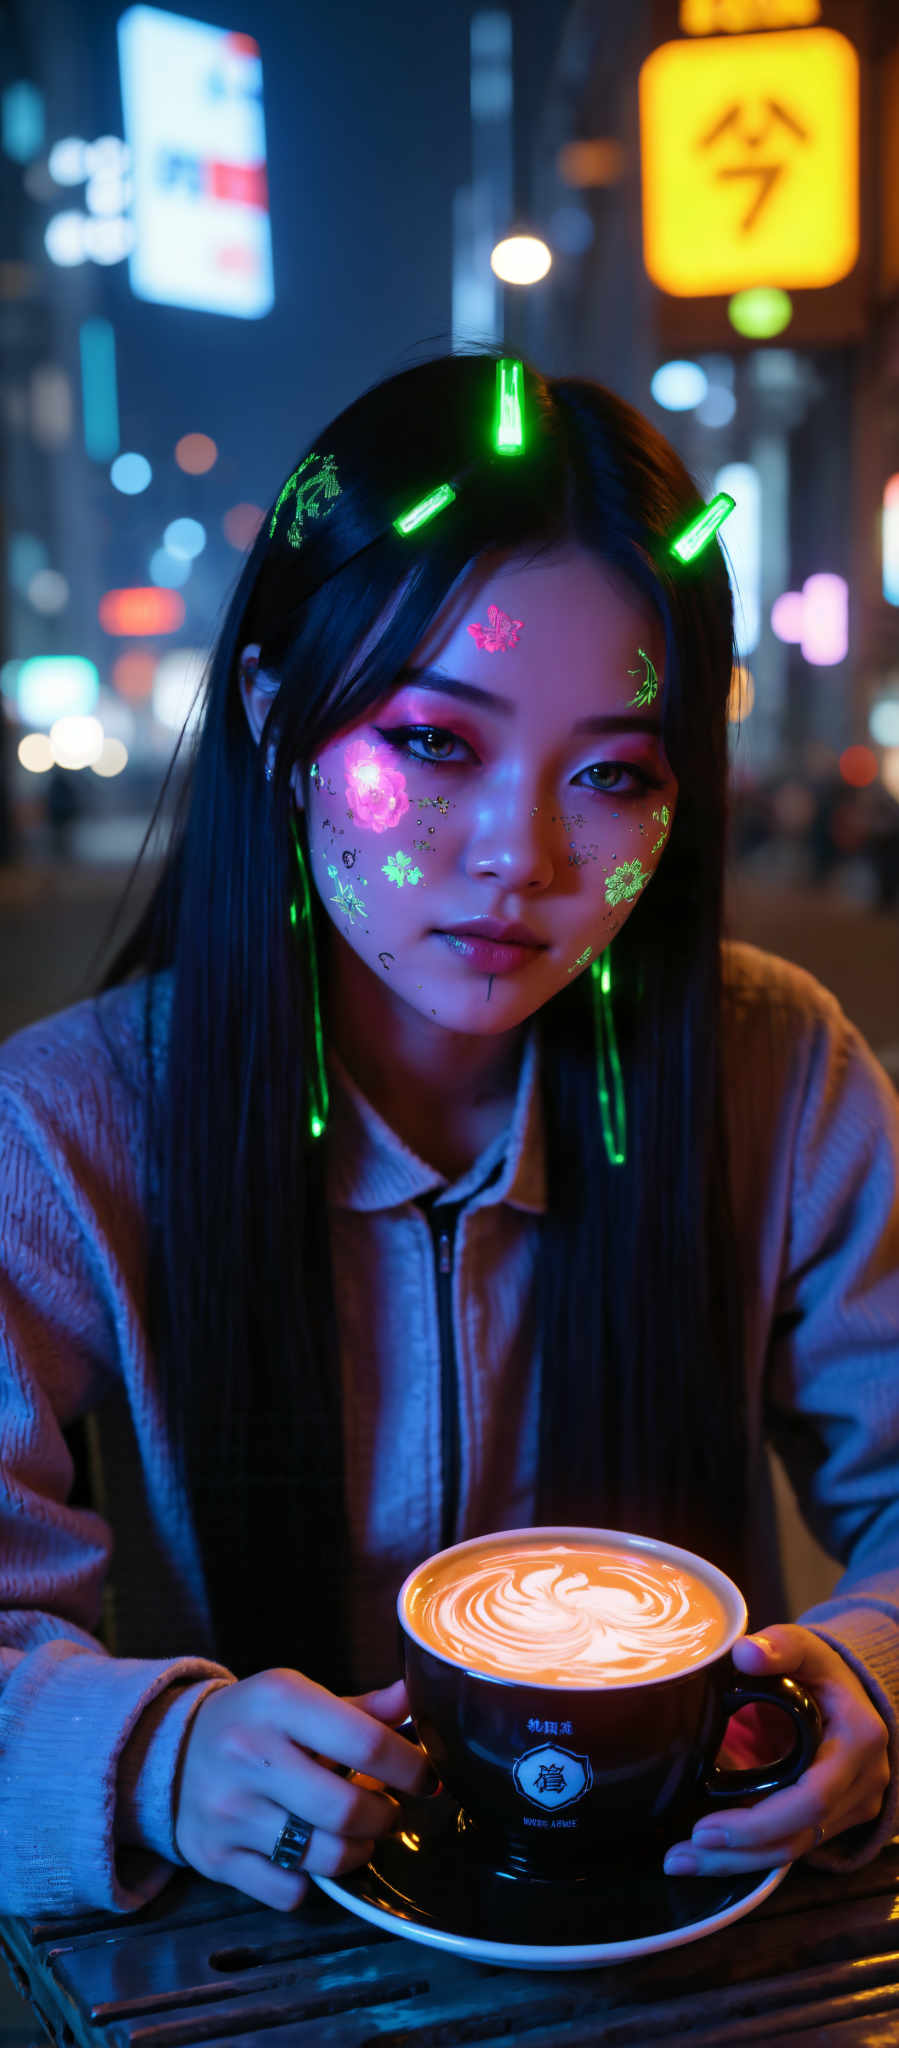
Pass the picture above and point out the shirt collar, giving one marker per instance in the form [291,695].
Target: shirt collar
[370,1167]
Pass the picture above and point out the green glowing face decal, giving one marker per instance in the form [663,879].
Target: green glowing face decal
[649,686]
[313,496]
[663,818]
[399,869]
[626,881]
[581,960]
[346,898]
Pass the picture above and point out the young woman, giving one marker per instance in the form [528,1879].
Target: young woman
[354,1236]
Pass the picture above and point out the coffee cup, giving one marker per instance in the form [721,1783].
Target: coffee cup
[571,1688]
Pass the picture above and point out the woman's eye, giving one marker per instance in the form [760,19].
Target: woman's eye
[425,734]
[399,736]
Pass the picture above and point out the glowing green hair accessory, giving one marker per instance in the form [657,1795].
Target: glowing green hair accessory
[703,528]
[508,439]
[312,496]
[425,509]
[614,1121]
[318,1090]
[508,431]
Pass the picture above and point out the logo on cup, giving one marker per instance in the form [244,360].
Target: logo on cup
[551,1777]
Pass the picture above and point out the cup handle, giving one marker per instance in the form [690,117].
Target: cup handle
[773,1777]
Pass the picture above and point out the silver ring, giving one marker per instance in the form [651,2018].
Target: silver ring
[292,1843]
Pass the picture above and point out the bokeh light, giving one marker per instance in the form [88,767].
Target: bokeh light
[167,570]
[76,742]
[760,312]
[109,241]
[67,161]
[132,675]
[142,610]
[35,752]
[184,538]
[889,771]
[858,766]
[883,722]
[48,591]
[717,408]
[51,686]
[195,453]
[241,524]
[130,473]
[112,758]
[741,696]
[786,617]
[679,385]
[64,239]
[520,259]
[25,556]
[175,687]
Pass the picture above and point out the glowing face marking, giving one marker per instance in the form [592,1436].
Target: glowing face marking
[581,960]
[346,898]
[663,818]
[649,686]
[399,869]
[625,881]
[312,496]
[499,634]
[376,790]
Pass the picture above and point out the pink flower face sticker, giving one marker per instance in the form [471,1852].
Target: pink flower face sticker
[499,634]
[375,789]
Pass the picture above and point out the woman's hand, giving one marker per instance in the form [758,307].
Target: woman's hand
[275,1744]
[844,1785]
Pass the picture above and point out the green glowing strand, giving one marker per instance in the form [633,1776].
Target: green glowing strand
[649,686]
[425,509]
[614,1119]
[702,529]
[318,1087]
[625,881]
[311,496]
[508,432]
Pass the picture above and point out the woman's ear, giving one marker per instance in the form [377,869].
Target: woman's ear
[257,688]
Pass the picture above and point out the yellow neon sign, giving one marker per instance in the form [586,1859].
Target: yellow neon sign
[735,17]
[749,153]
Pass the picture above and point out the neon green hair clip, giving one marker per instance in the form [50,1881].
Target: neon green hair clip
[508,439]
[703,528]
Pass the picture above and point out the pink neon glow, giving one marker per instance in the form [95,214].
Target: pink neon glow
[375,789]
[499,634]
[825,619]
[786,617]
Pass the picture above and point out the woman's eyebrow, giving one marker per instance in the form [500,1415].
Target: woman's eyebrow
[472,693]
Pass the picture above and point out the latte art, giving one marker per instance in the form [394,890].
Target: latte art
[568,1614]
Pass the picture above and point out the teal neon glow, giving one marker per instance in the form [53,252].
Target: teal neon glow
[425,509]
[99,392]
[702,529]
[320,1102]
[508,436]
[611,1110]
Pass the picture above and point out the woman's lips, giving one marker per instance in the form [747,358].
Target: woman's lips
[490,956]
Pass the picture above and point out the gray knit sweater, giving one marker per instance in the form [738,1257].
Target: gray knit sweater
[106,1647]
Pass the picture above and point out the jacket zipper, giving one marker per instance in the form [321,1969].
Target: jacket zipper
[442,1224]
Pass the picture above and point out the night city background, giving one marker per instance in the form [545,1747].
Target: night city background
[219,228]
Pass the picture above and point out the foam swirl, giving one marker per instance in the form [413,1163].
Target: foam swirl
[562,1615]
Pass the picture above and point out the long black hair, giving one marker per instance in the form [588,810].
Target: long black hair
[642,1419]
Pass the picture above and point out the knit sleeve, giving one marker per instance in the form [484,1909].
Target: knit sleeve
[832,1395]
[67,1708]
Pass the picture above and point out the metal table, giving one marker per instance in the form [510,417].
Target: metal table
[817,1963]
